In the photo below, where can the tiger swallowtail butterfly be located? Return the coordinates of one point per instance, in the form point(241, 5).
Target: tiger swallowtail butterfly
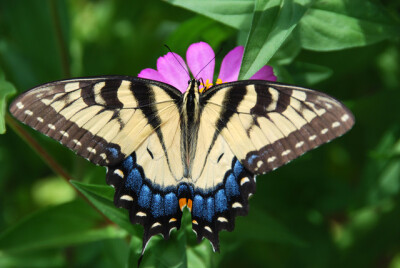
point(165, 150)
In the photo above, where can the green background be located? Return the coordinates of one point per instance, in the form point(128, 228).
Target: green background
point(338, 205)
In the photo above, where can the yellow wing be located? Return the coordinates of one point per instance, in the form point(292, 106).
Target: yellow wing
point(103, 119)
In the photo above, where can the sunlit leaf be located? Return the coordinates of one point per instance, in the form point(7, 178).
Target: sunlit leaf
point(273, 21)
point(236, 14)
point(339, 24)
point(289, 50)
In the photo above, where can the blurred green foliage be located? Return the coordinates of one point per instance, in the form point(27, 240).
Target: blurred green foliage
point(338, 205)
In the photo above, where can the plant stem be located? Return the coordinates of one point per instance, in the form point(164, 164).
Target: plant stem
point(64, 55)
point(37, 148)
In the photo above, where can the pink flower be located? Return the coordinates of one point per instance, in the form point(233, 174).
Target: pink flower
point(198, 56)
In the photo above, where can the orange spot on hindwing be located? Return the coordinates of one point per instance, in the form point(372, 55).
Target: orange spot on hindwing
point(185, 202)
point(182, 203)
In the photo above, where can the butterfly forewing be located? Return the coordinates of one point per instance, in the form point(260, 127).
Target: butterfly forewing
point(97, 117)
point(268, 124)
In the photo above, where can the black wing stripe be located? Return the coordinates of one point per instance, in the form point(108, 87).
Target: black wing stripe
point(109, 94)
point(87, 94)
point(232, 100)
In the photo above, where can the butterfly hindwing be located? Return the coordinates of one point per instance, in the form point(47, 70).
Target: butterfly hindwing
point(268, 124)
point(221, 185)
point(147, 181)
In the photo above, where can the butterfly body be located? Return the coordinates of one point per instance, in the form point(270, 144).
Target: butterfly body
point(190, 111)
point(165, 150)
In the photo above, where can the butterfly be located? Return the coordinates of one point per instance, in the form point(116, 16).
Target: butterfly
point(165, 150)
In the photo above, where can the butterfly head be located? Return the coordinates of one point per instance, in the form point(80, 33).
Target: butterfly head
point(195, 81)
point(194, 85)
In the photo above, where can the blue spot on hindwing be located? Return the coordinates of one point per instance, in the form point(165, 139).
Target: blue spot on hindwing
point(114, 152)
point(134, 180)
point(157, 206)
point(237, 169)
point(209, 211)
point(251, 159)
point(221, 203)
point(197, 208)
point(144, 197)
point(231, 186)
point(128, 163)
point(171, 204)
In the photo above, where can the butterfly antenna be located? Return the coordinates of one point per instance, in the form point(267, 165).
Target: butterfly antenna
point(209, 62)
point(173, 54)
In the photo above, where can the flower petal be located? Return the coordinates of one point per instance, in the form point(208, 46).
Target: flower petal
point(230, 65)
point(172, 71)
point(198, 56)
point(265, 73)
point(152, 74)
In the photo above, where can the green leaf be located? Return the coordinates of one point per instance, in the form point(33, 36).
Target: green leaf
point(102, 254)
point(63, 225)
point(37, 258)
point(287, 52)
point(31, 52)
point(236, 14)
point(198, 28)
point(383, 171)
point(307, 74)
point(101, 197)
point(181, 250)
point(273, 21)
point(6, 89)
point(200, 255)
point(135, 251)
point(340, 24)
point(160, 253)
point(259, 226)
